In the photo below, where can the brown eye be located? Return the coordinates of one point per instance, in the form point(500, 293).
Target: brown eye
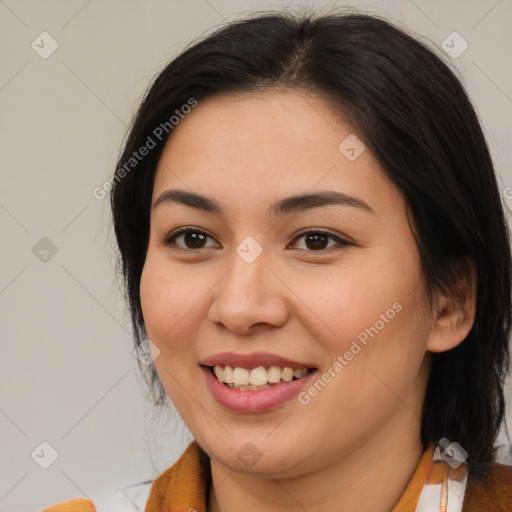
point(316, 240)
point(191, 239)
point(196, 240)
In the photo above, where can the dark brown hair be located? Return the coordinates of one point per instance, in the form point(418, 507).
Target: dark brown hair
point(412, 112)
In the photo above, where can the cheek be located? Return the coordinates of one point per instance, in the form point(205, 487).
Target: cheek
point(368, 287)
point(168, 299)
point(371, 316)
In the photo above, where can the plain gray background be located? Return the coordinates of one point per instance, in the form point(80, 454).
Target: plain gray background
point(68, 374)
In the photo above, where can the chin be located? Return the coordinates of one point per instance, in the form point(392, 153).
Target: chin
point(260, 456)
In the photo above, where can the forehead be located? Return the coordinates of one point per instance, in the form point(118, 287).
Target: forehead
point(269, 144)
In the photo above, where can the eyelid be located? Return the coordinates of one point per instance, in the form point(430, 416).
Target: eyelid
point(341, 242)
point(183, 231)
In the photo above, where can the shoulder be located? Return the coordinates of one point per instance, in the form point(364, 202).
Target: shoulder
point(78, 505)
point(489, 487)
point(129, 499)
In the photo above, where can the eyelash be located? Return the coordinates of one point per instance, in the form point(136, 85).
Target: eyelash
point(168, 241)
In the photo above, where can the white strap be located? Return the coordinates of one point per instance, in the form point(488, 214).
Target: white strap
point(448, 494)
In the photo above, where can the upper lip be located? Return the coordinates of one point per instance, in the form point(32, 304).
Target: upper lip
point(253, 360)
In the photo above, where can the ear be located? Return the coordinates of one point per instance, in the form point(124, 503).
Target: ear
point(455, 315)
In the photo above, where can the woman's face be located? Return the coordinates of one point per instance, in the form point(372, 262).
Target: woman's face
point(249, 288)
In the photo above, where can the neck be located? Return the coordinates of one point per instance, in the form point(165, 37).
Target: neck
point(371, 477)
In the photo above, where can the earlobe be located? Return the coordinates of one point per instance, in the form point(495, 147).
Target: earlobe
point(455, 313)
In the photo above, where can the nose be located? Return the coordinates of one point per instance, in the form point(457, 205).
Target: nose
point(250, 298)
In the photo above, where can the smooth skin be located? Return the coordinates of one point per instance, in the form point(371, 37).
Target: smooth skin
point(355, 445)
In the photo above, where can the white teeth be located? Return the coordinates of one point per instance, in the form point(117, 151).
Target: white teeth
point(274, 374)
point(287, 374)
point(258, 378)
point(298, 373)
point(229, 375)
point(219, 372)
point(240, 377)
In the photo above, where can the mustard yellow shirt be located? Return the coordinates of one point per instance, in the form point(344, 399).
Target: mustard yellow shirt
point(183, 487)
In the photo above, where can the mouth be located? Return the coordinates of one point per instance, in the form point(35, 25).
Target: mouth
point(254, 383)
point(259, 378)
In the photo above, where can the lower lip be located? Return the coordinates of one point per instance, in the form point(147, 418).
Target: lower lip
point(253, 401)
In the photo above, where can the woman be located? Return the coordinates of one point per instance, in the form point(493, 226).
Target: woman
point(312, 238)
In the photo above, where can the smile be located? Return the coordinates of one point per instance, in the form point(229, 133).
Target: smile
point(256, 382)
point(256, 379)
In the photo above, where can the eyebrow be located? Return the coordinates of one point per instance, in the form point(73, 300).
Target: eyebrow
point(281, 207)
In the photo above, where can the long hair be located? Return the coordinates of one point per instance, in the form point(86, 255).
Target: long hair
point(413, 114)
